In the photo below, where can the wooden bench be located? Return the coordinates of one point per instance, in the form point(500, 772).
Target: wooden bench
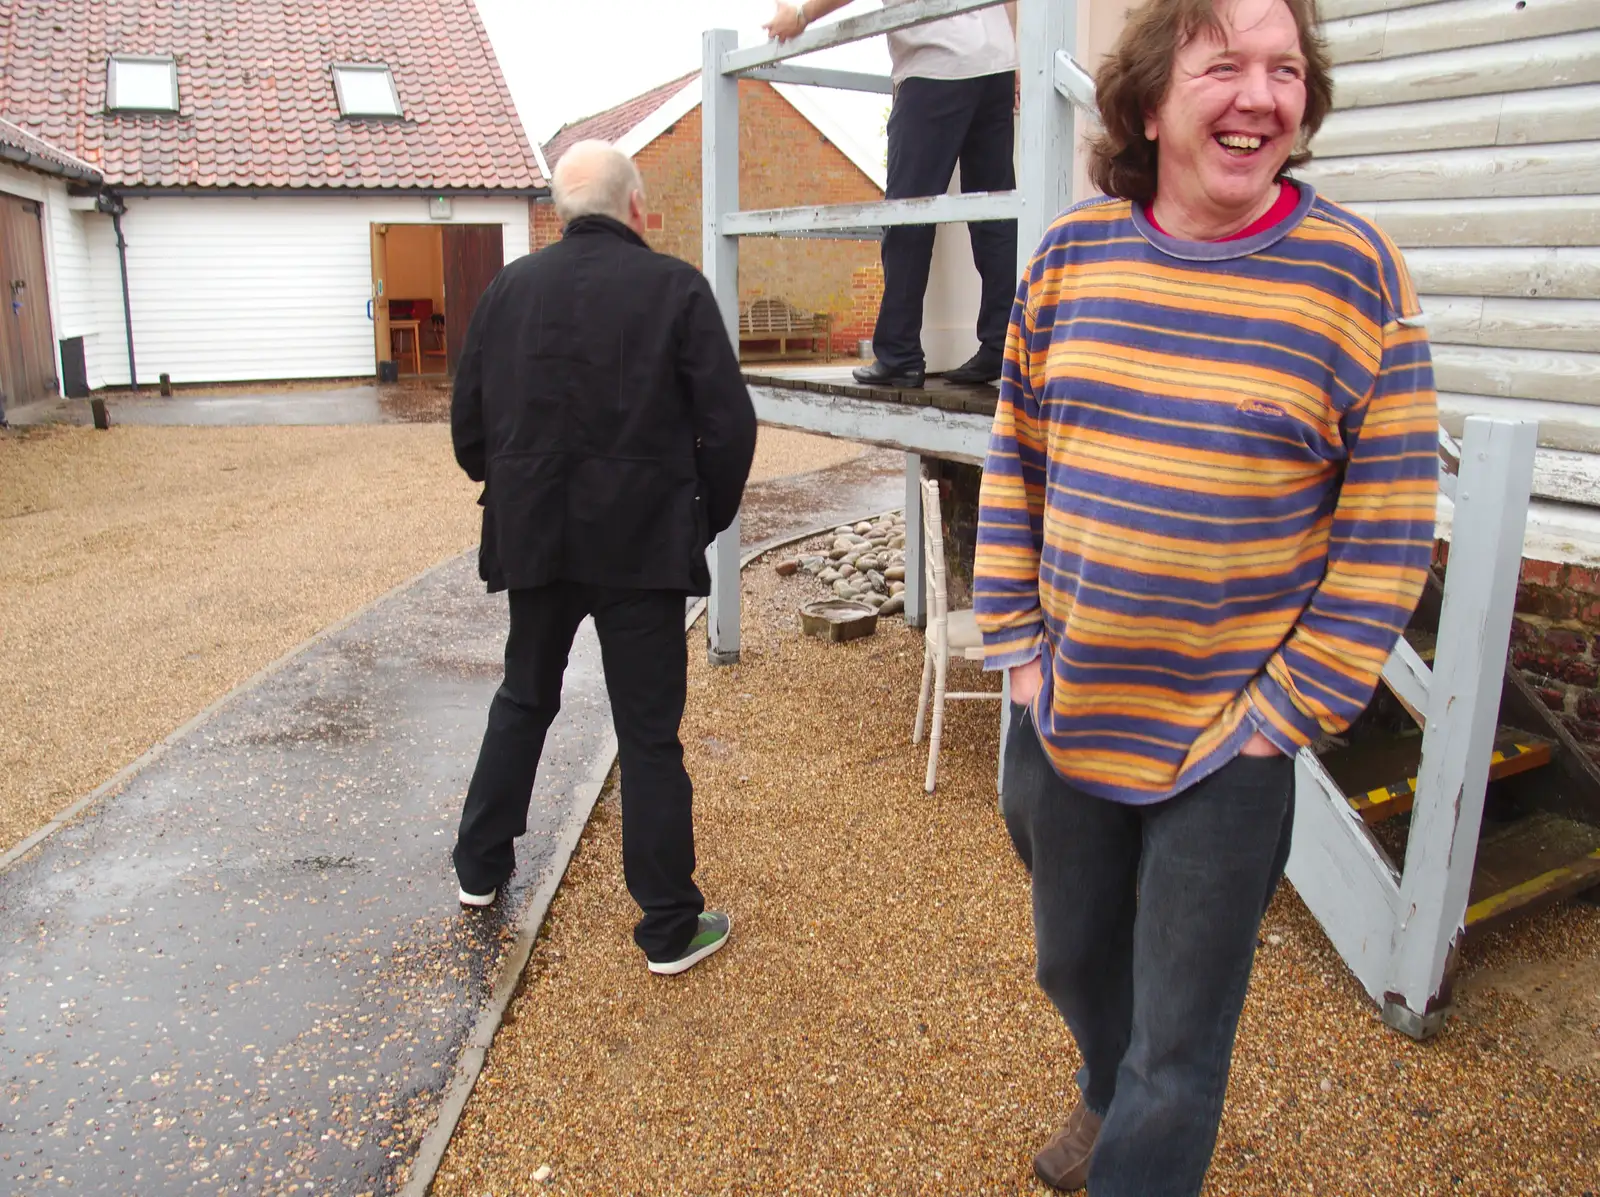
point(780, 321)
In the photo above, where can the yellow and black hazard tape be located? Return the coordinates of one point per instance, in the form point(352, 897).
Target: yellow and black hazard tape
point(1403, 790)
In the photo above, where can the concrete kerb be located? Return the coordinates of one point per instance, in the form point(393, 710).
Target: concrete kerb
point(469, 1065)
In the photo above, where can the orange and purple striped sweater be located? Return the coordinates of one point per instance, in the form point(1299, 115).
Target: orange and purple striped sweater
point(1209, 494)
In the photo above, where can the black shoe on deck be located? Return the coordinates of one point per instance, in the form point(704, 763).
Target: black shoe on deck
point(880, 375)
point(983, 366)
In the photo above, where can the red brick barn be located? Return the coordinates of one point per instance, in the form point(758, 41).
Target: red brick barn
point(788, 155)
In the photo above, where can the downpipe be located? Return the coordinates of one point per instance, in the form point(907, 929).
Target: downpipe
point(111, 204)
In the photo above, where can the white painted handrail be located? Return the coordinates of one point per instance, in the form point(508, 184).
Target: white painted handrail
point(1076, 83)
point(805, 76)
point(1408, 676)
point(851, 29)
point(870, 217)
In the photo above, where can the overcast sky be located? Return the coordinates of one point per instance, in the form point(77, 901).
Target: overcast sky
point(565, 59)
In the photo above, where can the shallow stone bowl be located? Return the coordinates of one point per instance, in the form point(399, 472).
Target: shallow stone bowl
point(838, 620)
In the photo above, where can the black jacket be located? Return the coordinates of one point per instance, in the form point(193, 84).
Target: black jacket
point(599, 400)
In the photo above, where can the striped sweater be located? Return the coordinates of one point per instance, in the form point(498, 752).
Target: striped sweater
point(1209, 494)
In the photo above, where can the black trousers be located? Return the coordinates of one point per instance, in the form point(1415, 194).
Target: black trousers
point(645, 657)
point(934, 124)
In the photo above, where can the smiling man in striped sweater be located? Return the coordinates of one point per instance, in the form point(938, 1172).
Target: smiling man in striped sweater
point(1206, 516)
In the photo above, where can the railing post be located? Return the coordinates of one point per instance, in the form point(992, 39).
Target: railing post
point(1046, 137)
point(719, 257)
point(916, 612)
point(1463, 711)
point(1044, 177)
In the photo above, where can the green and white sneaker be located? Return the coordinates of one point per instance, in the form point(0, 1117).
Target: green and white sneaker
point(713, 932)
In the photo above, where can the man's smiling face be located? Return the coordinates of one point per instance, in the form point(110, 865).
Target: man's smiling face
point(1231, 116)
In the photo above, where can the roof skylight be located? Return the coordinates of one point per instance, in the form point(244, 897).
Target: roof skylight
point(366, 89)
point(142, 83)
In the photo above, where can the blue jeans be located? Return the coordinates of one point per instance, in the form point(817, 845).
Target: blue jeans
point(1146, 920)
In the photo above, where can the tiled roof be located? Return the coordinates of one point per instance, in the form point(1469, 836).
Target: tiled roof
point(613, 123)
point(19, 146)
point(256, 99)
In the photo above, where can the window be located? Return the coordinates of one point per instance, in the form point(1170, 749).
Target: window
point(136, 83)
point(366, 89)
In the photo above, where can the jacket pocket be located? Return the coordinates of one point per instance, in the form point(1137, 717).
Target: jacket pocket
point(634, 518)
point(524, 512)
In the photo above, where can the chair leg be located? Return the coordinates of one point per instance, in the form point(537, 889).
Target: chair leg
point(938, 720)
point(922, 694)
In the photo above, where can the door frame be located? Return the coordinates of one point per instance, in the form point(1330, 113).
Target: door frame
point(378, 300)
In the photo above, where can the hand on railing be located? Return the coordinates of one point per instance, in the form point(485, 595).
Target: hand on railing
point(789, 21)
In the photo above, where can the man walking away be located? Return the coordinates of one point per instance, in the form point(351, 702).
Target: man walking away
point(599, 401)
point(955, 87)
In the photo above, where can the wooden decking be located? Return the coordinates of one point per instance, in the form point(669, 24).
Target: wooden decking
point(938, 420)
point(836, 380)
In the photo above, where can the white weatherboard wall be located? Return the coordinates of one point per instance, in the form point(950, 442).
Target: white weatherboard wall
point(232, 289)
point(1469, 130)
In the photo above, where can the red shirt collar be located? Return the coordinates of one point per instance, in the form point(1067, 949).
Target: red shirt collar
point(1288, 197)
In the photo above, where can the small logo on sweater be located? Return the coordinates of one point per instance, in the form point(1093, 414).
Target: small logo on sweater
point(1261, 408)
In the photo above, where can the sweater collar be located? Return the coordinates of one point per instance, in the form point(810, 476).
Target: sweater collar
point(581, 225)
point(1217, 251)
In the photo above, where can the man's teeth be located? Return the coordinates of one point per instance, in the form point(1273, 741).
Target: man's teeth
point(1239, 141)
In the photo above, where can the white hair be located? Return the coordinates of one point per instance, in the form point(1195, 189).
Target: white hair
point(594, 178)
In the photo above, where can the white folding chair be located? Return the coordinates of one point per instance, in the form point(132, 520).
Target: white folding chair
point(947, 632)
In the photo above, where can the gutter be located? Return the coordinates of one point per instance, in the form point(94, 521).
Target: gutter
point(49, 166)
point(325, 192)
point(111, 203)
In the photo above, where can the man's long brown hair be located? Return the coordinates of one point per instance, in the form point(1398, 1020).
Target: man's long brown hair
point(1133, 80)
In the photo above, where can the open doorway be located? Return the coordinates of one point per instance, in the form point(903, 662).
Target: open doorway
point(426, 279)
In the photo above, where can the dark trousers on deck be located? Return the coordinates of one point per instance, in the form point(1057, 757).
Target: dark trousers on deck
point(933, 125)
point(645, 658)
point(1146, 920)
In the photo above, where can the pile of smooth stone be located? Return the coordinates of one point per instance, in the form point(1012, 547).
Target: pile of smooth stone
point(866, 563)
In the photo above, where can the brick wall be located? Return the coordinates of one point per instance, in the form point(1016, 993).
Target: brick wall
point(543, 227)
point(866, 293)
point(1553, 635)
point(783, 160)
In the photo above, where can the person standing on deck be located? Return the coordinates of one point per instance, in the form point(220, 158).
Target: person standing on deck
point(955, 86)
point(1206, 516)
point(600, 403)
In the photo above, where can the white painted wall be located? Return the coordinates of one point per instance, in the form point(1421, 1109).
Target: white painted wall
point(950, 306)
point(230, 290)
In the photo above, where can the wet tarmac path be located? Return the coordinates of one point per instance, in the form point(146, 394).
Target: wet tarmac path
point(247, 972)
point(244, 971)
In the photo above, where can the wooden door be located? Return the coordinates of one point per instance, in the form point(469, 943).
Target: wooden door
point(379, 309)
point(473, 255)
point(27, 340)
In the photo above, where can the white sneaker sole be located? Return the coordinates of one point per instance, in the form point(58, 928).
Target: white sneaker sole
point(478, 899)
point(672, 968)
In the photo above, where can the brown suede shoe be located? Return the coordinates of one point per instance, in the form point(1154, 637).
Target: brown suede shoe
point(1063, 1163)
